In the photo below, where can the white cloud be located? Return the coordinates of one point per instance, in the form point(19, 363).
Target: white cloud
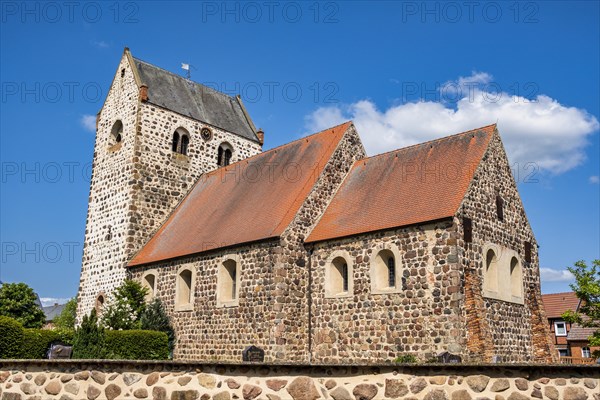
point(542, 130)
point(50, 301)
point(100, 44)
point(555, 275)
point(595, 179)
point(88, 122)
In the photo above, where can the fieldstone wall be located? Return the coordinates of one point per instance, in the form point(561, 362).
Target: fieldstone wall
point(138, 182)
point(515, 332)
point(110, 196)
point(422, 318)
point(74, 380)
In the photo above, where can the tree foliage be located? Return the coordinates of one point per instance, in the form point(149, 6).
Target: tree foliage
point(66, 320)
point(155, 318)
point(18, 301)
point(125, 309)
point(587, 289)
point(88, 341)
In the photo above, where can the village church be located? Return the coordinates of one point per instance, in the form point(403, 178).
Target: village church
point(311, 251)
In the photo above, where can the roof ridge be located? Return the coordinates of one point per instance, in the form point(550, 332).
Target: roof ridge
point(548, 294)
point(427, 142)
point(183, 78)
point(275, 148)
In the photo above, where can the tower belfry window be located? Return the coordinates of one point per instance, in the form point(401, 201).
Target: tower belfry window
point(224, 155)
point(181, 141)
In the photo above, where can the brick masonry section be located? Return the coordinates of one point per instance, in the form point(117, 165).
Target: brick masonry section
point(74, 380)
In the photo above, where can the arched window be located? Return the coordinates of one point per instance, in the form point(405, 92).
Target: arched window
point(181, 141)
point(116, 133)
point(338, 277)
point(184, 290)
point(228, 283)
point(149, 282)
point(516, 278)
point(99, 304)
point(224, 154)
point(384, 271)
point(490, 278)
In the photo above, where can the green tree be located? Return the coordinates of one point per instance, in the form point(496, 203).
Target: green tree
point(65, 321)
point(18, 301)
point(88, 341)
point(127, 306)
point(154, 318)
point(587, 289)
point(134, 294)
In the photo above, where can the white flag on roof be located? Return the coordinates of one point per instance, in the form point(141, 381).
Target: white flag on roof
point(185, 66)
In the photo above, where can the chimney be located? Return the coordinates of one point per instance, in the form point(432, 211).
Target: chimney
point(261, 136)
point(144, 92)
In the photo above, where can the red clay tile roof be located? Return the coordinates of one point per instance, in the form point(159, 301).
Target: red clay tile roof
point(420, 183)
point(579, 333)
point(557, 303)
point(247, 201)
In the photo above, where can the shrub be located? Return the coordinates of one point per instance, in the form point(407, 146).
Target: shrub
point(136, 345)
point(405, 359)
point(36, 342)
point(11, 337)
point(88, 341)
point(19, 301)
point(154, 318)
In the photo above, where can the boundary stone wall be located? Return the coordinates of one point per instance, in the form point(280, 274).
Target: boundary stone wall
point(98, 379)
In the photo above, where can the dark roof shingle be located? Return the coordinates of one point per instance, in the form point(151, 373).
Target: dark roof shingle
point(194, 100)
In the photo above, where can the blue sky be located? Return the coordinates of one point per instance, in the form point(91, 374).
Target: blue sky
point(403, 71)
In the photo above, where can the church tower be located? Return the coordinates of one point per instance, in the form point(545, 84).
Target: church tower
point(156, 134)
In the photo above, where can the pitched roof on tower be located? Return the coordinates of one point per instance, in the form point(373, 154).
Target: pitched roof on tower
point(420, 183)
point(248, 201)
point(194, 100)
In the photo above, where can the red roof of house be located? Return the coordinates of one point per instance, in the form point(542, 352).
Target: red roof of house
point(578, 332)
point(557, 303)
point(247, 201)
point(420, 183)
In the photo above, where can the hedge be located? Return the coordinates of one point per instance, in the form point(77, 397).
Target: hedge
point(11, 338)
point(36, 342)
point(19, 343)
point(136, 345)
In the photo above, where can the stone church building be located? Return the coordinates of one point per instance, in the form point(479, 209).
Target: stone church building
point(311, 251)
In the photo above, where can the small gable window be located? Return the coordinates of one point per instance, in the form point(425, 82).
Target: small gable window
point(468, 229)
point(338, 277)
point(224, 154)
point(528, 252)
point(181, 141)
point(228, 283)
point(116, 133)
point(499, 208)
point(184, 290)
